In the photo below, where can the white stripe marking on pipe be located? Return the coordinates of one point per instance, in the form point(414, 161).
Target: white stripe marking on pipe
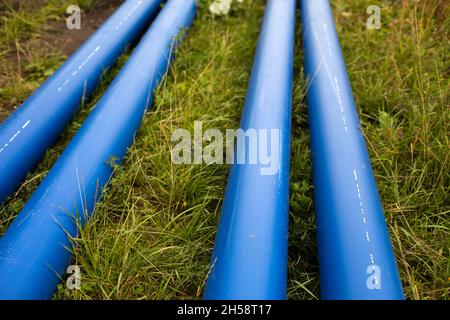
point(26, 124)
point(74, 73)
point(14, 136)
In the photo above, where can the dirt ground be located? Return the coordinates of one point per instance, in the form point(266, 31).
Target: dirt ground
point(69, 40)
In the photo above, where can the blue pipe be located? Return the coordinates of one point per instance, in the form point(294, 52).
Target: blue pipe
point(249, 260)
point(34, 250)
point(37, 124)
point(355, 254)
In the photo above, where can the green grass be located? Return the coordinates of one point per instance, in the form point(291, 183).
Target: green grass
point(152, 235)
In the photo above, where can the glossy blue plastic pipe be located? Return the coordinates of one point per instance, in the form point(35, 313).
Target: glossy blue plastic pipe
point(355, 253)
point(34, 251)
point(36, 125)
point(250, 256)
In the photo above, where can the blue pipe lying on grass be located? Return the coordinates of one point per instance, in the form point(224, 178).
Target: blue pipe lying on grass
point(250, 256)
point(27, 134)
point(355, 253)
point(35, 250)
